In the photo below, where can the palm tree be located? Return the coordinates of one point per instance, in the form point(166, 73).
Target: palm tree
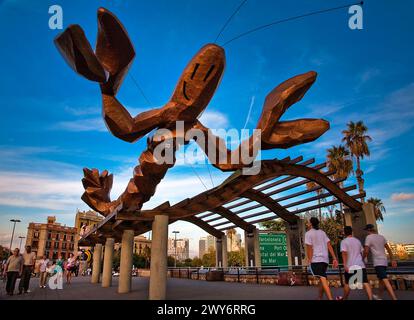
point(379, 208)
point(338, 160)
point(310, 186)
point(356, 139)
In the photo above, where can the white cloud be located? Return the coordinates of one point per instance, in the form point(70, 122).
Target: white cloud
point(402, 196)
point(81, 125)
point(214, 120)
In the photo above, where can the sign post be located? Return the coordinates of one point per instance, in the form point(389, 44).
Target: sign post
point(274, 248)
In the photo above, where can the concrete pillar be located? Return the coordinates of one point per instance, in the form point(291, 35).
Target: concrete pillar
point(221, 252)
point(257, 256)
point(358, 220)
point(107, 263)
point(96, 264)
point(125, 268)
point(296, 242)
point(159, 246)
point(249, 241)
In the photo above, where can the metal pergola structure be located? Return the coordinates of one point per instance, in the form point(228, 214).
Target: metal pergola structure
point(243, 201)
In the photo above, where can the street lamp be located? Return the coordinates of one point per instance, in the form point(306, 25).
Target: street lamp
point(20, 245)
point(175, 246)
point(14, 226)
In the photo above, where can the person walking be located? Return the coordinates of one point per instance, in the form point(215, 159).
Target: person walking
point(318, 247)
point(29, 260)
point(70, 267)
point(352, 250)
point(13, 269)
point(377, 244)
point(43, 264)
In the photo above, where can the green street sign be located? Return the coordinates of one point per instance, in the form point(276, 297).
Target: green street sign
point(273, 249)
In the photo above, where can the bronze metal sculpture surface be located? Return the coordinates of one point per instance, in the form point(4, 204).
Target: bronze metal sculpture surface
point(109, 64)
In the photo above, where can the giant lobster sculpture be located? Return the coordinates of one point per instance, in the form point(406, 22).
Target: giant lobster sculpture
point(108, 65)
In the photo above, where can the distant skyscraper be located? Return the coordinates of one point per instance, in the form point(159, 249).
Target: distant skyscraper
point(211, 243)
point(202, 247)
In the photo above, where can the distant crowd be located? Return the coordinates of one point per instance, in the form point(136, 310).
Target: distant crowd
point(24, 266)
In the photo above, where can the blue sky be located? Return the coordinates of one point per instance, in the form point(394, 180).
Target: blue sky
point(51, 125)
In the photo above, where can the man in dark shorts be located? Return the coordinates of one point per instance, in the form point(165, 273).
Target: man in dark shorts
point(377, 244)
point(317, 246)
point(351, 249)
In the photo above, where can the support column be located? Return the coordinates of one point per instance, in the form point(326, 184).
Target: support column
point(295, 242)
point(225, 263)
point(107, 263)
point(125, 268)
point(251, 241)
point(159, 245)
point(96, 264)
point(358, 220)
point(221, 252)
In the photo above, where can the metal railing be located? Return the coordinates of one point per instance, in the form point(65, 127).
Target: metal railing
point(405, 272)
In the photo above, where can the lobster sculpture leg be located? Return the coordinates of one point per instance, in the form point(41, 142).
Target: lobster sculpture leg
point(109, 64)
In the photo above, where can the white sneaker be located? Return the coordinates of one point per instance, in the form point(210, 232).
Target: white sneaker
point(376, 297)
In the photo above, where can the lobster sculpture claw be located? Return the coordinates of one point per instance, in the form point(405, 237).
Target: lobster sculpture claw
point(108, 65)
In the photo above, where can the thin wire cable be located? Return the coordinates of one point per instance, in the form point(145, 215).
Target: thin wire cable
point(250, 111)
point(140, 89)
point(199, 178)
point(290, 19)
point(209, 172)
point(229, 19)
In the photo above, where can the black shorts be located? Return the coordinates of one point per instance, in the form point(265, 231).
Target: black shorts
point(381, 272)
point(318, 269)
point(348, 275)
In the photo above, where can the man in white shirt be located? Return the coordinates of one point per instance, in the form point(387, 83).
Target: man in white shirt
point(351, 249)
point(29, 260)
point(317, 247)
point(377, 244)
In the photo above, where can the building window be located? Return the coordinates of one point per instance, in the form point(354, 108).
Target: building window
point(49, 235)
point(48, 244)
point(63, 245)
point(72, 246)
point(64, 237)
point(36, 234)
point(57, 236)
point(71, 238)
point(56, 245)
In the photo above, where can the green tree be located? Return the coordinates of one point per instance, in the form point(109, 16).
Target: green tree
point(188, 262)
point(379, 208)
point(209, 258)
point(236, 258)
point(196, 262)
point(356, 139)
point(138, 261)
point(273, 225)
point(171, 261)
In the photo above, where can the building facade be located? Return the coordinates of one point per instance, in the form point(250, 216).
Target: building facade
point(52, 239)
point(142, 246)
point(233, 240)
point(211, 243)
point(179, 249)
point(86, 220)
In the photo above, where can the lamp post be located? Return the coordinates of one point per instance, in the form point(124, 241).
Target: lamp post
point(20, 245)
point(14, 226)
point(175, 246)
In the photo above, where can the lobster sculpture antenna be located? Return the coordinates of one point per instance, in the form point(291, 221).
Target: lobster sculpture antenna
point(109, 64)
